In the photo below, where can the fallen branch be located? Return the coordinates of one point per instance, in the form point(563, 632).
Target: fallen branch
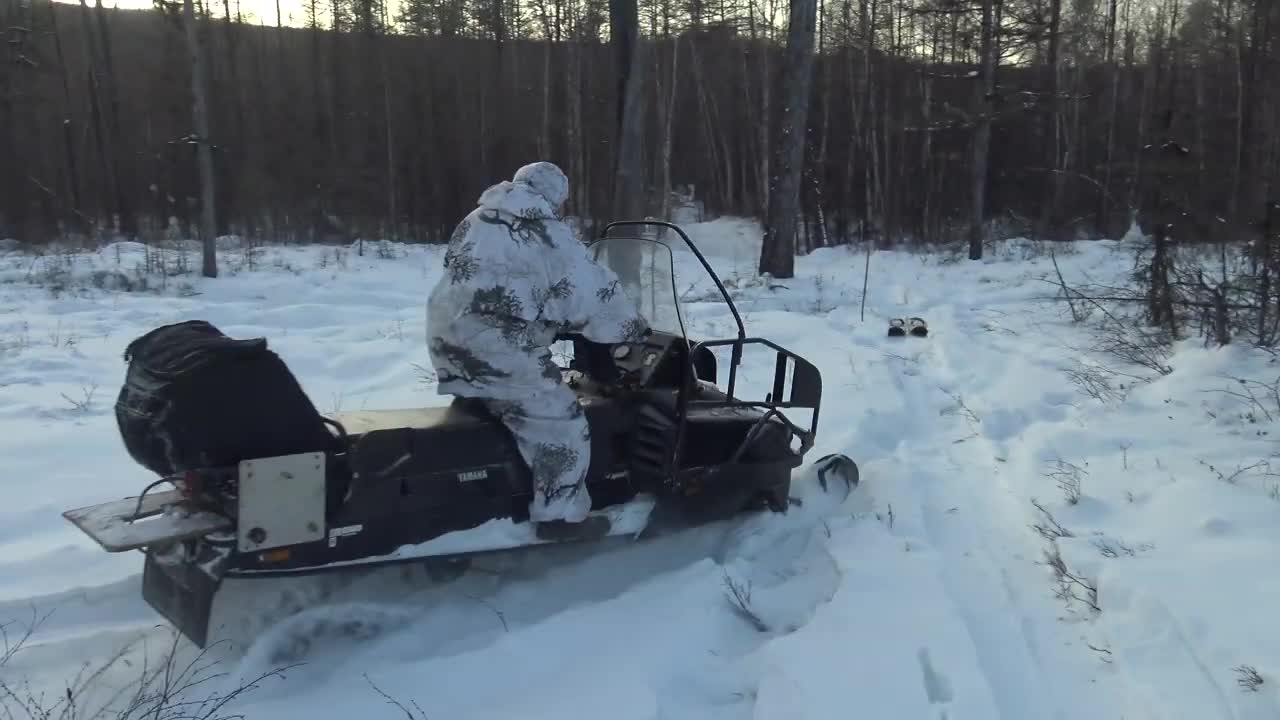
point(1070, 584)
point(1050, 529)
point(739, 596)
point(396, 703)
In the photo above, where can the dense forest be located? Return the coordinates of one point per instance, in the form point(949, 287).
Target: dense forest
point(917, 120)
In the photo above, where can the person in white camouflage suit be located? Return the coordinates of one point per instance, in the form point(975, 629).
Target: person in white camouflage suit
point(515, 277)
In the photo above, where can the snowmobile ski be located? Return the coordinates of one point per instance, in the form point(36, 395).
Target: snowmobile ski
point(837, 467)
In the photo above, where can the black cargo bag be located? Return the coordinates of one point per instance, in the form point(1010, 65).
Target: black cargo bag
point(195, 398)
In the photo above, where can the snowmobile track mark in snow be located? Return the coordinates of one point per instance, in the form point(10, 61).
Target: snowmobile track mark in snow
point(936, 686)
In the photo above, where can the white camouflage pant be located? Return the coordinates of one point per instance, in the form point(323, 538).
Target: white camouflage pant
point(550, 429)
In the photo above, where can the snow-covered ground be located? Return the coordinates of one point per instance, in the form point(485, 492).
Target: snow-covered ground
point(928, 594)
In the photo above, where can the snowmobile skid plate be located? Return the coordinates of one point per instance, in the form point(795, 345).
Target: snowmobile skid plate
point(160, 518)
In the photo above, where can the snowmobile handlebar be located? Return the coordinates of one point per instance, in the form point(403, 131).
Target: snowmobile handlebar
point(592, 358)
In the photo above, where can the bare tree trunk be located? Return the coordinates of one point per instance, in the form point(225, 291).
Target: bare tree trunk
point(1053, 127)
point(872, 154)
point(765, 112)
point(577, 147)
point(393, 215)
point(1253, 160)
point(1238, 159)
point(12, 199)
point(667, 122)
point(1104, 203)
point(68, 127)
point(118, 152)
point(544, 137)
point(108, 195)
point(628, 202)
point(628, 184)
point(826, 84)
point(200, 115)
point(926, 155)
point(234, 158)
point(337, 127)
point(982, 134)
point(706, 116)
point(778, 252)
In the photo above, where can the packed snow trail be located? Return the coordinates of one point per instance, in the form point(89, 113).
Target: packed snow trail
point(924, 595)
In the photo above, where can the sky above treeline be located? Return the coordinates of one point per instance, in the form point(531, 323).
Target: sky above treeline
point(253, 11)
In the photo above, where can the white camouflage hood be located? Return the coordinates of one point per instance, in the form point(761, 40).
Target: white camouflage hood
point(536, 191)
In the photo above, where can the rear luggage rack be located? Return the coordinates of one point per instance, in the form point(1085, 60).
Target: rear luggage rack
point(137, 522)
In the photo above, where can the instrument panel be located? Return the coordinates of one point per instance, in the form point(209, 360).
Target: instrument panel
point(638, 361)
point(646, 363)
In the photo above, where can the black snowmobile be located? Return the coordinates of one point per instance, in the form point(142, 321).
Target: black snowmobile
point(263, 485)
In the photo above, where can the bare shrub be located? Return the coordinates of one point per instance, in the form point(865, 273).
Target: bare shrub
point(961, 408)
point(1262, 399)
point(385, 250)
point(415, 714)
point(1069, 478)
point(1249, 679)
point(1097, 381)
point(82, 403)
point(1262, 467)
point(170, 690)
point(1143, 347)
point(426, 375)
point(1048, 527)
point(1071, 587)
point(1115, 548)
point(739, 596)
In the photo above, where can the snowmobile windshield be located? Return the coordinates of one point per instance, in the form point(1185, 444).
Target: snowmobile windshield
point(647, 272)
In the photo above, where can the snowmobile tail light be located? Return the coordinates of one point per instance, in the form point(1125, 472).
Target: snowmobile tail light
point(190, 485)
point(274, 556)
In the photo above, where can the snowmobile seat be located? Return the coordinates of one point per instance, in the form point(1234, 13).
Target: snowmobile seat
point(449, 464)
point(457, 460)
point(462, 412)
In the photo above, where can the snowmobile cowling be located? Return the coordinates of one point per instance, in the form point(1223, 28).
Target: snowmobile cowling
point(262, 485)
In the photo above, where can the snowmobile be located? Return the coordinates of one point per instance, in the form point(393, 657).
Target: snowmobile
point(262, 485)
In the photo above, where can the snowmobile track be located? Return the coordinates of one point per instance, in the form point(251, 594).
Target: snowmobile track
point(973, 556)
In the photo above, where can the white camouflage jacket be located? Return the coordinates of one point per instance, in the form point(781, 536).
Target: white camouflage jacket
point(515, 276)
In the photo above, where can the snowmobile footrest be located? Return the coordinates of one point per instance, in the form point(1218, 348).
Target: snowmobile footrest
point(593, 528)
